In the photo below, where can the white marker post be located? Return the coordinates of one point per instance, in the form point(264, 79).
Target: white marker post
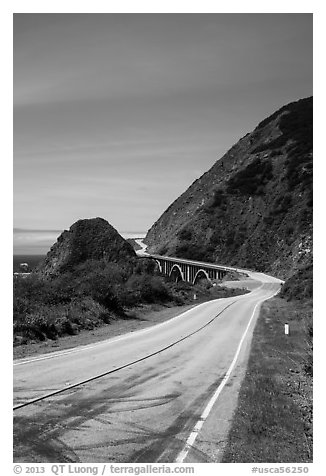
point(286, 329)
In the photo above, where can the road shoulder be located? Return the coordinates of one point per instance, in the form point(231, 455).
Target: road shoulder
point(273, 419)
point(140, 318)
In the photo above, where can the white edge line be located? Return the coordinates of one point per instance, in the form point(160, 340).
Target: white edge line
point(81, 348)
point(53, 355)
point(119, 368)
point(193, 435)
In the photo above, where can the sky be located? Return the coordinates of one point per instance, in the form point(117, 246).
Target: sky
point(115, 115)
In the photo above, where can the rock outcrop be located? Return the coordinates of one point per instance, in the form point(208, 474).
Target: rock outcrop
point(93, 239)
point(253, 208)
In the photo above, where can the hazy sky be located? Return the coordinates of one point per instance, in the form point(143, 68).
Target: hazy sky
point(115, 115)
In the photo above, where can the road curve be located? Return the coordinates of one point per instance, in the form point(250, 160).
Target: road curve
point(136, 397)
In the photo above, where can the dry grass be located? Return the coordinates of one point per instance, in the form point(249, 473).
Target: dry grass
point(273, 421)
point(140, 317)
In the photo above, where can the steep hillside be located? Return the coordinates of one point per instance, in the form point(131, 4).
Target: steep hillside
point(93, 239)
point(253, 208)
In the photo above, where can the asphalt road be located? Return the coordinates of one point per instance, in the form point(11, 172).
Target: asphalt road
point(144, 393)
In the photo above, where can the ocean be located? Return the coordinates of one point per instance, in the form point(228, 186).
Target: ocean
point(33, 260)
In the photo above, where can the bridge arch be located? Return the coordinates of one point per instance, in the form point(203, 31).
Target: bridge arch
point(201, 274)
point(176, 273)
point(159, 265)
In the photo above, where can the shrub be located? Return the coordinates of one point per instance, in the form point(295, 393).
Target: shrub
point(274, 144)
point(250, 181)
point(185, 234)
point(217, 201)
point(193, 251)
point(289, 230)
point(308, 325)
point(268, 220)
point(100, 288)
point(145, 266)
point(87, 313)
point(219, 198)
point(275, 152)
point(230, 238)
point(282, 204)
point(300, 285)
point(310, 198)
point(145, 288)
point(112, 272)
point(163, 250)
point(296, 125)
point(50, 322)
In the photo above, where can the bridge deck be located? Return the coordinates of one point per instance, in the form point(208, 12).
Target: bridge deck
point(190, 262)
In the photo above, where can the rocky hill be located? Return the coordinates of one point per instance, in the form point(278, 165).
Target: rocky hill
point(86, 239)
point(253, 208)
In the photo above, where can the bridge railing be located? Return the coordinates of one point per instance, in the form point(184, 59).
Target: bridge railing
point(191, 262)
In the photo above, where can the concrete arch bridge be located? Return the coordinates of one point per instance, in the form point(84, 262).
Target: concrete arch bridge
point(187, 270)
